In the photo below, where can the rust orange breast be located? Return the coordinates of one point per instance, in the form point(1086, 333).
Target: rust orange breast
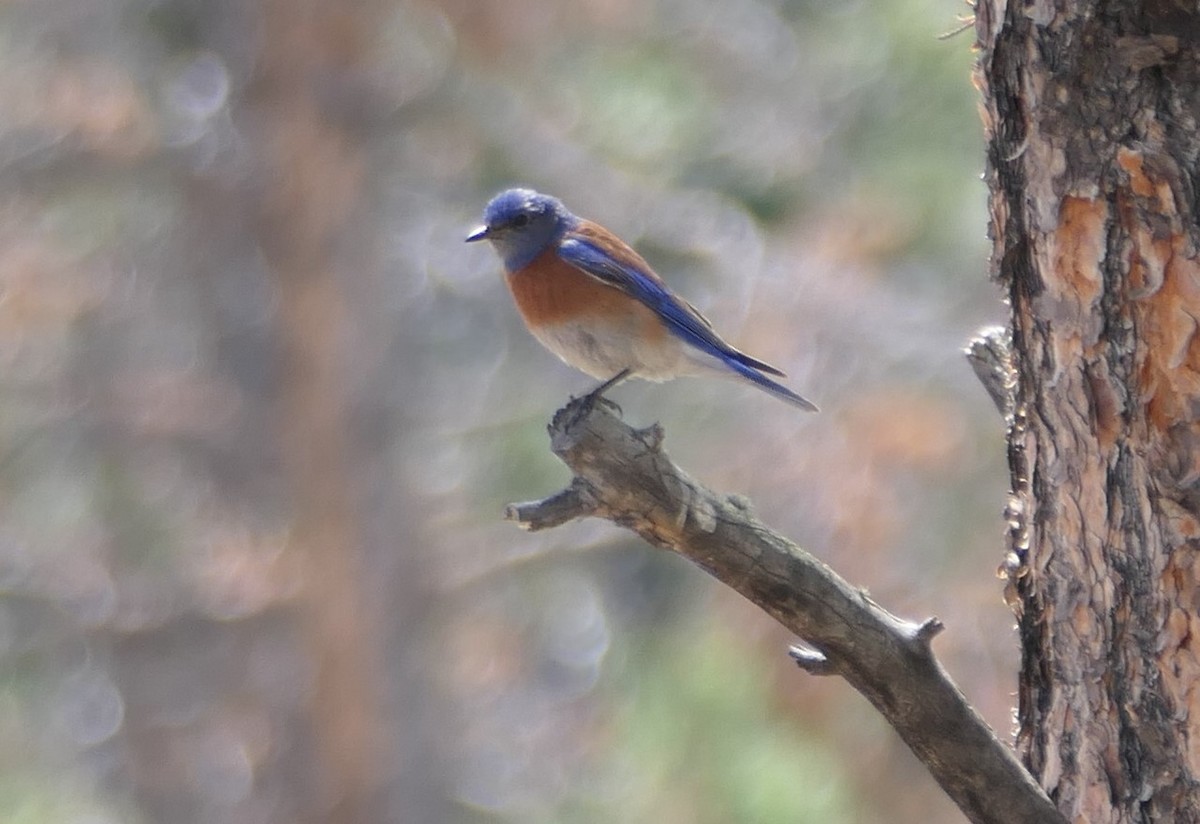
point(549, 292)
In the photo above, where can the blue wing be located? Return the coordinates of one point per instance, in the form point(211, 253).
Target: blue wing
point(622, 268)
point(597, 252)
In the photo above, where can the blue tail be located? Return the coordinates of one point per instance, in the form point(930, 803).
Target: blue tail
point(766, 384)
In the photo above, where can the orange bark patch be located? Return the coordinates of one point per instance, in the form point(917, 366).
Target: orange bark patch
point(1131, 162)
point(1074, 252)
point(1146, 185)
point(1078, 246)
point(1147, 203)
point(1169, 325)
point(1164, 287)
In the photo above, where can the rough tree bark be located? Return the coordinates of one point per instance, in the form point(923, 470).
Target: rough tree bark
point(1091, 115)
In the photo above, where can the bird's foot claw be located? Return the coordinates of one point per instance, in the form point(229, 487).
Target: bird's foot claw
point(611, 405)
point(584, 405)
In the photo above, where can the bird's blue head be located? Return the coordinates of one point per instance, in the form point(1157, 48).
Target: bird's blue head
point(521, 223)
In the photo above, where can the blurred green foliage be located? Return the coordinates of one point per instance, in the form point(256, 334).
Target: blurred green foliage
point(703, 737)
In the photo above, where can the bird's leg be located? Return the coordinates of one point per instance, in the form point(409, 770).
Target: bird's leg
point(589, 401)
point(597, 393)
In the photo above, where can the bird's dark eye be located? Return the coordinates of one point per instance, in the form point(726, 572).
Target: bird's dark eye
point(521, 221)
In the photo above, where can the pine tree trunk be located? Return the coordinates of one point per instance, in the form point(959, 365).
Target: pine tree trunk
point(1092, 117)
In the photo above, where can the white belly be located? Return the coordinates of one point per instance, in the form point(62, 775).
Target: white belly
point(604, 350)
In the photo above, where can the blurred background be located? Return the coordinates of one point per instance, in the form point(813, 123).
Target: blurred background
point(261, 408)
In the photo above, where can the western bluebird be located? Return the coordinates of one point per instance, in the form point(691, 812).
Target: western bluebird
point(596, 303)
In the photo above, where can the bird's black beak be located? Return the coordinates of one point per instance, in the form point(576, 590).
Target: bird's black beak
point(479, 233)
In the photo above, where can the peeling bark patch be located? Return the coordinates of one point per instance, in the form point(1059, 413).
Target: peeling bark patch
point(1077, 250)
point(1168, 322)
point(1152, 187)
point(1131, 162)
point(1165, 286)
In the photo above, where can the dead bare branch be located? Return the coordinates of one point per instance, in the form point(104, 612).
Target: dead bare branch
point(623, 474)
